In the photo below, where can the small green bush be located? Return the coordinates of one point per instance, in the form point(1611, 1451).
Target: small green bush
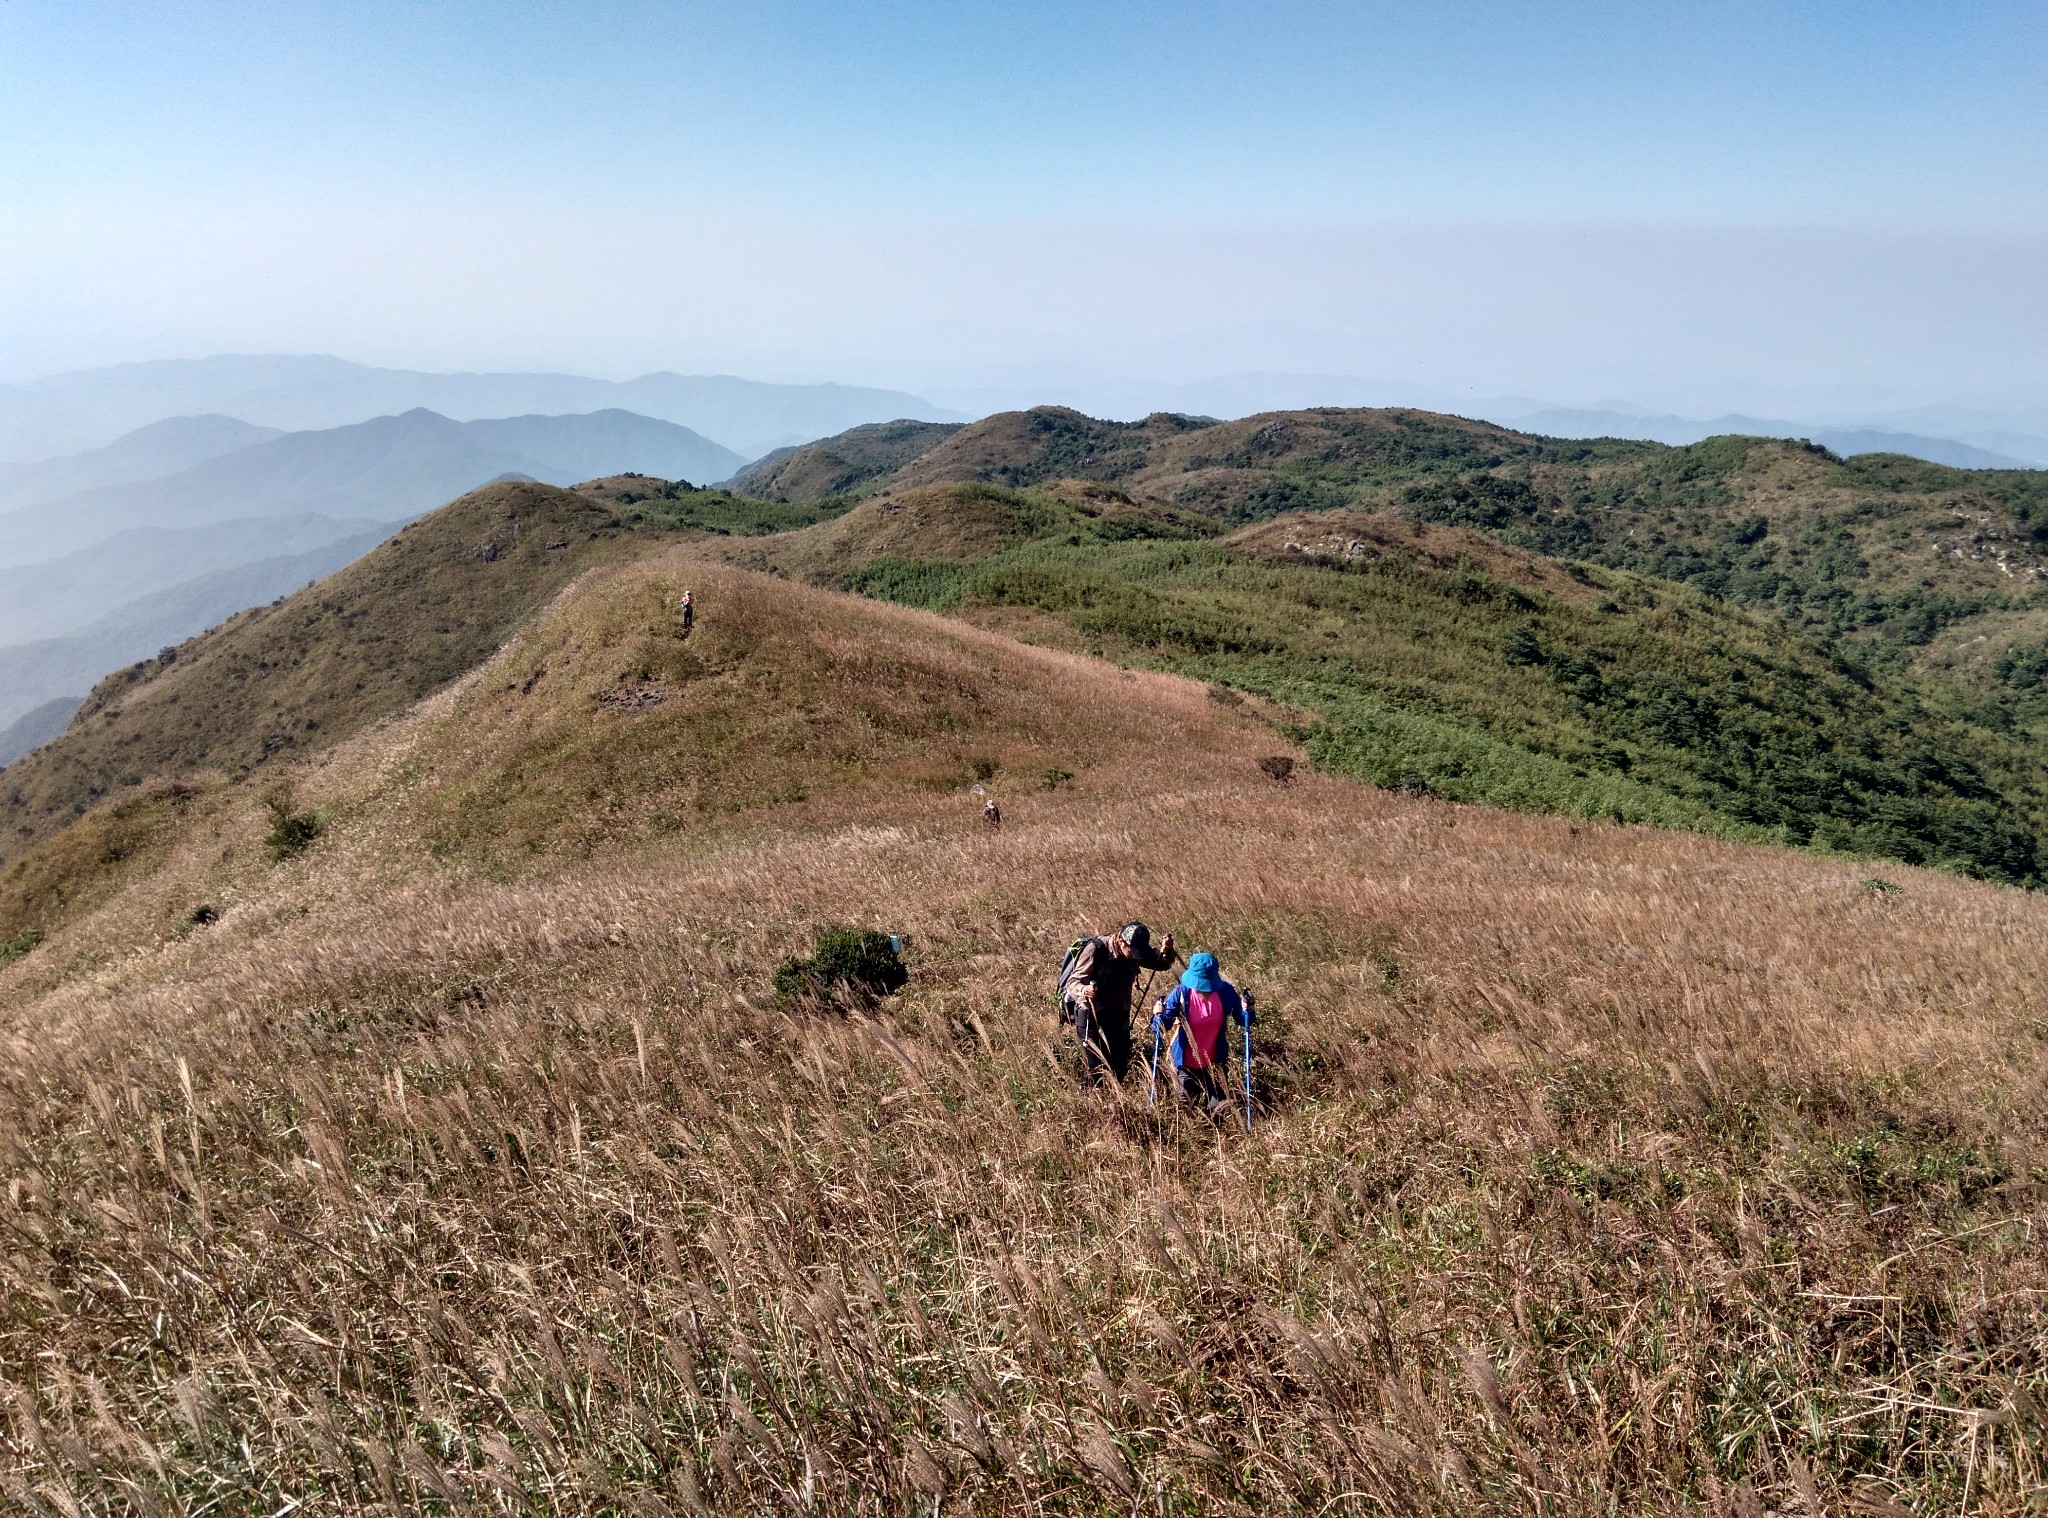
point(13, 948)
point(291, 832)
point(855, 962)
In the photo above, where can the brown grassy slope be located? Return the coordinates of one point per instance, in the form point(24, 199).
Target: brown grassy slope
point(843, 464)
point(1597, 1170)
point(599, 727)
point(370, 640)
point(940, 522)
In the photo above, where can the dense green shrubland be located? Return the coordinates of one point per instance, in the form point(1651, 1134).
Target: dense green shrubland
point(1655, 703)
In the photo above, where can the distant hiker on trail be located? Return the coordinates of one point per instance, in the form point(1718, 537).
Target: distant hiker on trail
point(688, 607)
point(1198, 1013)
point(1095, 994)
point(992, 814)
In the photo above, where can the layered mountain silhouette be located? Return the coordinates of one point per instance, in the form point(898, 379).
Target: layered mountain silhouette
point(50, 669)
point(147, 453)
point(1847, 441)
point(33, 728)
point(105, 575)
point(69, 412)
point(386, 470)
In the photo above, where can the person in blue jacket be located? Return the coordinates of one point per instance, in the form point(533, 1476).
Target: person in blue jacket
point(1199, 1013)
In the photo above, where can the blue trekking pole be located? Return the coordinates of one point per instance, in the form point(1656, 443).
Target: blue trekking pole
point(1143, 997)
point(1247, 1062)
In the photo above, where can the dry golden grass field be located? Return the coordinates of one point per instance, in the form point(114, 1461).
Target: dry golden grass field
point(464, 1162)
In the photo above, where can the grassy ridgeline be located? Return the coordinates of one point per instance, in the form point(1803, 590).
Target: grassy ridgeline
point(1434, 660)
point(419, 610)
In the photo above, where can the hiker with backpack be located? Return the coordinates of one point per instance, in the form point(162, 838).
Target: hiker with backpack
point(688, 607)
point(1096, 982)
point(1198, 1013)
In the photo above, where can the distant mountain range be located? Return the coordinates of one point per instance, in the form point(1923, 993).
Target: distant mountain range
point(51, 670)
point(68, 413)
point(1963, 437)
point(1847, 441)
point(385, 470)
point(127, 562)
point(59, 596)
point(33, 729)
point(148, 453)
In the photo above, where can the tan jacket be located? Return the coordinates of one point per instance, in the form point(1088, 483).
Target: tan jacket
point(1112, 977)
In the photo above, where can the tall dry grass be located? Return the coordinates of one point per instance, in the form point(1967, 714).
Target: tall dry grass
point(1597, 1170)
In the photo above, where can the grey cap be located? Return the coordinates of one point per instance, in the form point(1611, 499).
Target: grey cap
point(1136, 936)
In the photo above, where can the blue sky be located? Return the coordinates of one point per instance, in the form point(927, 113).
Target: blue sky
point(960, 195)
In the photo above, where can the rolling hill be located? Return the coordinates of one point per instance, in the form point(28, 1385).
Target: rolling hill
point(1424, 640)
point(407, 617)
point(840, 465)
point(1440, 659)
point(1881, 553)
point(448, 1147)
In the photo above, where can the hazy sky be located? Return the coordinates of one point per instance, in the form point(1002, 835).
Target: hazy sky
point(1692, 205)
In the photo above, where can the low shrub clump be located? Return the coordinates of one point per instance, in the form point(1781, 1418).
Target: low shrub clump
point(13, 948)
point(291, 832)
point(850, 963)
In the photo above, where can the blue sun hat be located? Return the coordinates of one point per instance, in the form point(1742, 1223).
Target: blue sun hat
point(1202, 974)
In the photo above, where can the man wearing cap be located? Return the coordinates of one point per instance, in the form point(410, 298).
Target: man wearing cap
point(1098, 995)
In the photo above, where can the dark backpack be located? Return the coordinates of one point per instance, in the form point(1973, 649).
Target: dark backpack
point(1067, 968)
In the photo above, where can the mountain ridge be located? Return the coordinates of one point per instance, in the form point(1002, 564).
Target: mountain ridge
point(1885, 552)
point(1521, 678)
point(386, 469)
point(86, 408)
point(147, 453)
point(419, 609)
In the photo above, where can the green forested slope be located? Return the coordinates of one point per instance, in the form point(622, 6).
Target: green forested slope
point(1883, 551)
point(1436, 659)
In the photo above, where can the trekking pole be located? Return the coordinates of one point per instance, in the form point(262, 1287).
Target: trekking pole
point(1153, 1099)
point(1247, 1063)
